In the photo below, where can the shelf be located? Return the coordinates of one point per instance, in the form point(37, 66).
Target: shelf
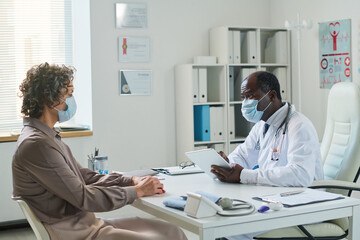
point(210, 103)
point(235, 102)
point(208, 142)
point(243, 65)
point(273, 65)
point(238, 139)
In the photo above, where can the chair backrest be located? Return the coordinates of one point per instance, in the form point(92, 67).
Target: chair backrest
point(35, 223)
point(340, 144)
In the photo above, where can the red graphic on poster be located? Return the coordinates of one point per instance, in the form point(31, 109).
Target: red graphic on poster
point(334, 29)
point(124, 46)
point(347, 61)
point(347, 72)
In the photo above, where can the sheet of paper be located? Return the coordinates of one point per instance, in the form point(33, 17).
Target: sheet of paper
point(306, 197)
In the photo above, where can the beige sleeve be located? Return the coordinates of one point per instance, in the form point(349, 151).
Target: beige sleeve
point(48, 166)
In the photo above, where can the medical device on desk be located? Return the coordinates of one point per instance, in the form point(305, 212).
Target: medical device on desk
point(199, 206)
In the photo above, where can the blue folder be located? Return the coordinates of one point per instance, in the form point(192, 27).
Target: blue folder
point(202, 123)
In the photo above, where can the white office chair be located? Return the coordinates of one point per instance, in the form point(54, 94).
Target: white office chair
point(341, 160)
point(35, 223)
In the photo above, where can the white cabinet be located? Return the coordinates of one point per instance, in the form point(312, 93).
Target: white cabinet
point(208, 97)
point(266, 49)
point(201, 101)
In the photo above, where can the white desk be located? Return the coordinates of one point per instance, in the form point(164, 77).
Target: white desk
point(217, 226)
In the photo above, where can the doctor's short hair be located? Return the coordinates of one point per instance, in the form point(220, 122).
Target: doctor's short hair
point(43, 85)
point(267, 81)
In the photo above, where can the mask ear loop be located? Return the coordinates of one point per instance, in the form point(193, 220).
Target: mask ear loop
point(62, 101)
point(262, 99)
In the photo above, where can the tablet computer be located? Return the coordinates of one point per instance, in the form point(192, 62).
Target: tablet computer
point(205, 158)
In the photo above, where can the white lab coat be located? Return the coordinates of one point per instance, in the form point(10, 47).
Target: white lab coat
point(299, 161)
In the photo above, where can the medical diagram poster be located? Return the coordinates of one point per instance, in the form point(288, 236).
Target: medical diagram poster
point(335, 52)
point(135, 82)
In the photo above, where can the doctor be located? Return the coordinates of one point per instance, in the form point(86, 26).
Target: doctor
point(282, 149)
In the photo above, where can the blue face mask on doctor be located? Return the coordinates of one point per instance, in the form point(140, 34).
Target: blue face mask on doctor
point(66, 115)
point(249, 109)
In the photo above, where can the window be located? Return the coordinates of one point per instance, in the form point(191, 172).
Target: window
point(31, 32)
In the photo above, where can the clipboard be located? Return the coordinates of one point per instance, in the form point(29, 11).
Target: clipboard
point(178, 170)
point(308, 196)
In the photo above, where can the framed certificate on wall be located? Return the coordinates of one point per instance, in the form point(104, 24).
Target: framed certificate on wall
point(135, 82)
point(131, 15)
point(134, 49)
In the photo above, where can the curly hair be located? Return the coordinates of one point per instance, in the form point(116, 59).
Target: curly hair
point(42, 86)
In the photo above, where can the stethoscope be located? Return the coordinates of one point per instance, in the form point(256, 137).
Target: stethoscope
point(276, 151)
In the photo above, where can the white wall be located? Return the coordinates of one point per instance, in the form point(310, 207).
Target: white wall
point(139, 131)
point(314, 99)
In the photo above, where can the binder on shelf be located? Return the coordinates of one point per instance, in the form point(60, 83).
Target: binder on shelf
point(280, 73)
point(249, 52)
point(281, 47)
point(202, 85)
point(251, 70)
point(195, 85)
point(232, 122)
point(216, 123)
point(220, 123)
point(236, 47)
point(243, 73)
point(230, 47)
point(200, 147)
point(218, 147)
point(213, 123)
point(202, 123)
point(231, 83)
point(276, 48)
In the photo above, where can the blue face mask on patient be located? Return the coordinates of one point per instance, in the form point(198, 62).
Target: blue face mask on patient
point(249, 109)
point(66, 115)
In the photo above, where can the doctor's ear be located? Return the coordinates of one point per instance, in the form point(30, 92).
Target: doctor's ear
point(272, 95)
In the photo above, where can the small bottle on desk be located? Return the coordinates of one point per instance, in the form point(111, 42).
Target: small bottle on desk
point(101, 164)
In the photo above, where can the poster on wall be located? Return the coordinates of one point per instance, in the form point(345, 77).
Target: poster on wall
point(131, 15)
point(334, 52)
point(134, 49)
point(134, 82)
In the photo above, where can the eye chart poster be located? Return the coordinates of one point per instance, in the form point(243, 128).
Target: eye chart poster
point(334, 52)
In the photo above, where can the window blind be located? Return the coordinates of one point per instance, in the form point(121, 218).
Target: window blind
point(31, 32)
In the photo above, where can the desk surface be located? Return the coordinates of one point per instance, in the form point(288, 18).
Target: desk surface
point(218, 226)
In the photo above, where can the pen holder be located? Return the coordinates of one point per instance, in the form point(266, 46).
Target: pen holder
point(91, 164)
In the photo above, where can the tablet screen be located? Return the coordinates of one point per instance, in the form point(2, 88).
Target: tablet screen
point(205, 158)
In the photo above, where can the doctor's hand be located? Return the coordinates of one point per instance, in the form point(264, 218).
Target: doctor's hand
point(223, 155)
point(227, 175)
point(147, 186)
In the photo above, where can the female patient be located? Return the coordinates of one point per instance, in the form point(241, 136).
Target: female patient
point(62, 194)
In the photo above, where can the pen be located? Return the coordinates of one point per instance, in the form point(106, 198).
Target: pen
point(286, 194)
